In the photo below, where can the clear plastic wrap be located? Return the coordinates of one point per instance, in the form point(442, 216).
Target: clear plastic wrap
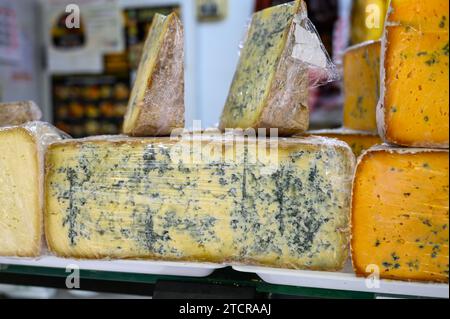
point(281, 59)
point(359, 141)
point(156, 105)
point(21, 186)
point(413, 110)
point(222, 199)
point(400, 214)
point(17, 113)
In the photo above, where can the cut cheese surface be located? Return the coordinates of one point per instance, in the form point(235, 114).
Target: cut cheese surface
point(17, 113)
point(415, 104)
point(156, 105)
point(400, 214)
point(359, 141)
point(362, 86)
point(21, 178)
point(368, 20)
point(155, 199)
point(270, 87)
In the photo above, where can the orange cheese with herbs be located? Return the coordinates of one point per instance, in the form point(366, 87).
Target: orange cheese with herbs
point(400, 214)
point(362, 86)
point(414, 108)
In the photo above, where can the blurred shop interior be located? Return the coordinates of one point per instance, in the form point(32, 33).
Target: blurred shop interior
point(81, 77)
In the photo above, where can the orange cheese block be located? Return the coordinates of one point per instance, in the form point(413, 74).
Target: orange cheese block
point(359, 141)
point(367, 20)
point(400, 214)
point(362, 86)
point(414, 106)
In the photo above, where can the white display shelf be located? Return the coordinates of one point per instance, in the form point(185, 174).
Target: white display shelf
point(123, 266)
point(346, 281)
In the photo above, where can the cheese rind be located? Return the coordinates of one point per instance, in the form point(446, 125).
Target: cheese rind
point(270, 86)
point(21, 186)
point(156, 105)
point(400, 214)
point(359, 141)
point(149, 199)
point(362, 86)
point(414, 106)
point(17, 113)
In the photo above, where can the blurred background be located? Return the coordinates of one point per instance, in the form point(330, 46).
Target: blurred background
point(82, 77)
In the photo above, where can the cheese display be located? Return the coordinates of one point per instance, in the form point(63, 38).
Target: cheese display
point(362, 86)
point(280, 58)
point(17, 113)
point(21, 183)
point(217, 199)
point(359, 141)
point(414, 108)
point(156, 105)
point(368, 17)
point(400, 214)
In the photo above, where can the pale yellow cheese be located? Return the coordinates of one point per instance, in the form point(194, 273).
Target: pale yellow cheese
point(241, 201)
point(21, 179)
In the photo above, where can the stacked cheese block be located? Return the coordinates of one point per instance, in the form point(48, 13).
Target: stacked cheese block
point(401, 193)
point(362, 91)
point(22, 146)
point(219, 198)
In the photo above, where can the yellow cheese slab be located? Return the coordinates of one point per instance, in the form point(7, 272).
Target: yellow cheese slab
point(400, 214)
point(21, 186)
point(156, 105)
point(160, 199)
point(368, 17)
point(414, 108)
point(362, 86)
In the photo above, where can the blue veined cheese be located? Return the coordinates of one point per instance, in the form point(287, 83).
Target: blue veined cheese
point(156, 105)
point(270, 86)
point(21, 187)
point(17, 113)
point(237, 201)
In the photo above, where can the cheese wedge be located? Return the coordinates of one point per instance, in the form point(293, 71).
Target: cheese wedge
point(368, 17)
point(414, 108)
point(156, 105)
point(362, 86)
point(214, 199)
point(359, 141)
point(17, 113)
point(270, 86)
point(400, 214)
point(21, 187)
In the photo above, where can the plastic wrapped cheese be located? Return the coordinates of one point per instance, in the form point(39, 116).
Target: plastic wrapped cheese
point(414, 104)
point(21, 187)
point(17, 113)
point(400, 214)
point(223, 199)
point(282, 57)
point(359, 141)
point(156, 105)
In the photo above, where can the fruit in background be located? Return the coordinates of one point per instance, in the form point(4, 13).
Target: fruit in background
point(107, 109)
point(105, 92)
point(76, 110)
point(62, 111)
point(92, 127)
point(92, 93)
point(120, 110)
point(121, 91)
point(92, 111)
